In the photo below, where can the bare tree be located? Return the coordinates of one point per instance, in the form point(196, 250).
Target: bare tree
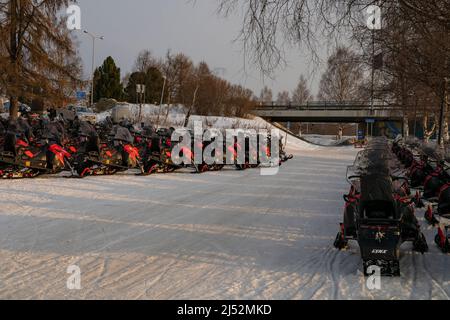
point(283, 98)
point(301, 94)
point(145, 60)
point(266, 95)
point(415, 35)
point(343, 77)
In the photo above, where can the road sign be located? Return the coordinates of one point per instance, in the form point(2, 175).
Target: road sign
point(140, 88)
point(81, 95)
point(370, 120)
point(361, 135)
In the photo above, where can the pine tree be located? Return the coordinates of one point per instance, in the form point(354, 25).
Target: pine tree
point(153, 81)
point(107, 82)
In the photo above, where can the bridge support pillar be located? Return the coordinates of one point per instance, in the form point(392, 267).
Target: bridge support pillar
point(362, 126)
point(405, 126)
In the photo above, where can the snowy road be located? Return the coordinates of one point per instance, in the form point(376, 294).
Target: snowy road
point(227, 235)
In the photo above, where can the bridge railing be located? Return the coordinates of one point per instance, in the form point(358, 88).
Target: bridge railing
point(330, 105)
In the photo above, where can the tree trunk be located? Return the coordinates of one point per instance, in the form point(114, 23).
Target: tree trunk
point(445, 133)
point(428, 133)
point(13, 105)
point(13, 108)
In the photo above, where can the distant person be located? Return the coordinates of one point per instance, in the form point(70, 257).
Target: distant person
point(340, 134)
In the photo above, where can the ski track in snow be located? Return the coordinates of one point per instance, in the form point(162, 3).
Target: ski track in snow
point(225, 235)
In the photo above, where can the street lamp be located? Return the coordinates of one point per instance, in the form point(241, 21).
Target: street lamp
point(94, 37)
point(162, 100)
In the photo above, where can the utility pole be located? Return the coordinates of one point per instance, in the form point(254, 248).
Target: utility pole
point(140, 92)
point(161, 103)
point(188, 115)
point(372, 104)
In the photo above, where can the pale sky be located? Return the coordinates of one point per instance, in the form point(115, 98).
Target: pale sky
point(191, 27)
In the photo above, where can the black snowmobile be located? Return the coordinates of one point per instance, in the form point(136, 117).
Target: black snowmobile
point(25, 156)
point(379, 215)
point(435, 181)
point(440, 217)
point(241, 154)
point(158, 156)
point(116, 154)
point(217, 156)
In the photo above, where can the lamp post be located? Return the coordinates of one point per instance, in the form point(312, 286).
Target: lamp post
point(162, 100)
point(94, 37)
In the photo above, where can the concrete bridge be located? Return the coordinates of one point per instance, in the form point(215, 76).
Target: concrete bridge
point(330, 112)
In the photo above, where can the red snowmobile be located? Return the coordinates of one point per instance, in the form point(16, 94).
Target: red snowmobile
point(21, 158)
point(117, 154)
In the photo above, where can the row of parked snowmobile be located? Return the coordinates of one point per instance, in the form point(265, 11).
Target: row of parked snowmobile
point(33, 146)
point(379, 210)
point(429, 173)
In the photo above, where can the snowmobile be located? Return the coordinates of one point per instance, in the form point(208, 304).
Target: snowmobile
point(379, 215)
point(440, 217)
point(418, 171)
point(117, 154)
point(158, 158)
point(235, 150)
point(284, 157)
point(24, 157)
point(217, 155)
point(435, 181)
point(427, 162)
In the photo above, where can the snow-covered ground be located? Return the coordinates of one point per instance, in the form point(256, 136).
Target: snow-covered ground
point(225, 235)
point(326, 140)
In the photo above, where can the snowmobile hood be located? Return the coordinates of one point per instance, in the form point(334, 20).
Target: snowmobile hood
point(53, 131)
point(86, 129)
point(377, 187)
point(123, 134)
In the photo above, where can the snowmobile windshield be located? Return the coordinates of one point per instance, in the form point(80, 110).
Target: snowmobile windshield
point(123, 134)
point(431, 150)
point(86, 129)
point(373, 161)
point(15, 128)
point(148, 131)
point(53, 131)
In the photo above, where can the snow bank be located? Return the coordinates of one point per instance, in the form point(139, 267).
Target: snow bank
point(326, 140)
